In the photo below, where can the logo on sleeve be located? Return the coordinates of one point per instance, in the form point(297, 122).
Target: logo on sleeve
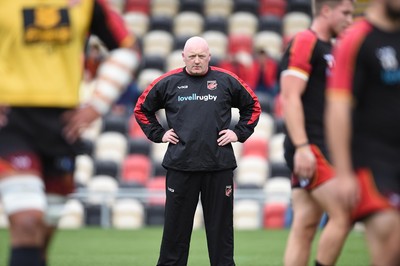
point(212, 85)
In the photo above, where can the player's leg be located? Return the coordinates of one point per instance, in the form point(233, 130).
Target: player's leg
point(383, 238)
point(339, 224)
point(22, 193)
point(59, 182)
point(379, 209)
point(306, 217)
point(23, 198)
point(217, 202)
point(182, 190)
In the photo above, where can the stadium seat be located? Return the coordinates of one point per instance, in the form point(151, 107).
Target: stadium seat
point(84, 169)
point(278, 107)
point(220, 8)
point(157, 42)
point(93, 131)
point(237, 148)
point(167, 8)
point(72, 216)
point(156, 185)
point(270, 23)
point(214, 23)
point(240, 42)
point(137, 23)
point(102, 189)
point(274, 215)
point(156, 205)
point(266, 103)
point(179, 42)
point(303, 6)
point(139, 146)
point(153, 61)
point(246, 215)
point(163, 23)
point(270, 42)
point(278, 190)
point(128, 214)
point(158, 152)
point(235, 117)
point(279, 168)
point(174, 60)
point(93, 213)
point(280, 126)
point(111, 146)
point(117, 5)
point(218, 43)
point(255, 146)
point(188, 23)
point(136, 168)
point(155, 215)
point(191, 6)
point(251, 6)
point(294, 22)
point(115, 123)
point(276, 150)
point(273, 7)
point(106, 167)
point(134, 129)
point(142, 6)
point(243, 23)
point(265, 127)
point(251, 171)
point(147, 76)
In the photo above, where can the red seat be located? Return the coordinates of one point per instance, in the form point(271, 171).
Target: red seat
point(142, 6)
point(255, 146)
point(272, 7)
point(274, 215)
point(156, 184)
point(134, 129)
point(240, 42)
point(136, 168)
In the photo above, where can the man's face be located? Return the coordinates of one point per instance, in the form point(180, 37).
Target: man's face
point(196, 60)
point(341, 17)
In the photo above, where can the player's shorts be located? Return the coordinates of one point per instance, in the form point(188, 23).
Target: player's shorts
point(323, 171)
point(32, 141)
point(380, 190)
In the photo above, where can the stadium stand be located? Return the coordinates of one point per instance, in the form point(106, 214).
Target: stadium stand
point(163, 26)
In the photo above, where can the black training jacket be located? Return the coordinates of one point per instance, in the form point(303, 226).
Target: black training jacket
point(197, 108)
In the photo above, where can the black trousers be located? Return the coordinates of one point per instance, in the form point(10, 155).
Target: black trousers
point(216, 194)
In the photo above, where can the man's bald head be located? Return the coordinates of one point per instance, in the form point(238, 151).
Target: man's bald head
point(196, 55)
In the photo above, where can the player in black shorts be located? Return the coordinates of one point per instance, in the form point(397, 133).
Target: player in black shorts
point(305, 65)
point(41, 118)
point(363, 119)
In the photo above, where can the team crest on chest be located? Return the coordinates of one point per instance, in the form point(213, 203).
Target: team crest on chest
point(212, 84)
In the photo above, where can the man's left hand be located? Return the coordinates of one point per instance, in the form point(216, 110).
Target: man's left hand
point(226, 136)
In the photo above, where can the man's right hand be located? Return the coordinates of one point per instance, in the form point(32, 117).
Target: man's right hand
point(170, 136)
point(304, 162)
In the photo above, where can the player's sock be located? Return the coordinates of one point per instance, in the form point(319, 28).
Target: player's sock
point(25, 256)
point(317, 263)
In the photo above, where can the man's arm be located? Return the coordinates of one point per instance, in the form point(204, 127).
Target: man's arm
point(292, 88)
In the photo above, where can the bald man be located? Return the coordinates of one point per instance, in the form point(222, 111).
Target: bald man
point(199, 160)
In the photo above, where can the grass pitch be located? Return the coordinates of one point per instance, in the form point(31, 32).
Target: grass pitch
point(111, 247)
